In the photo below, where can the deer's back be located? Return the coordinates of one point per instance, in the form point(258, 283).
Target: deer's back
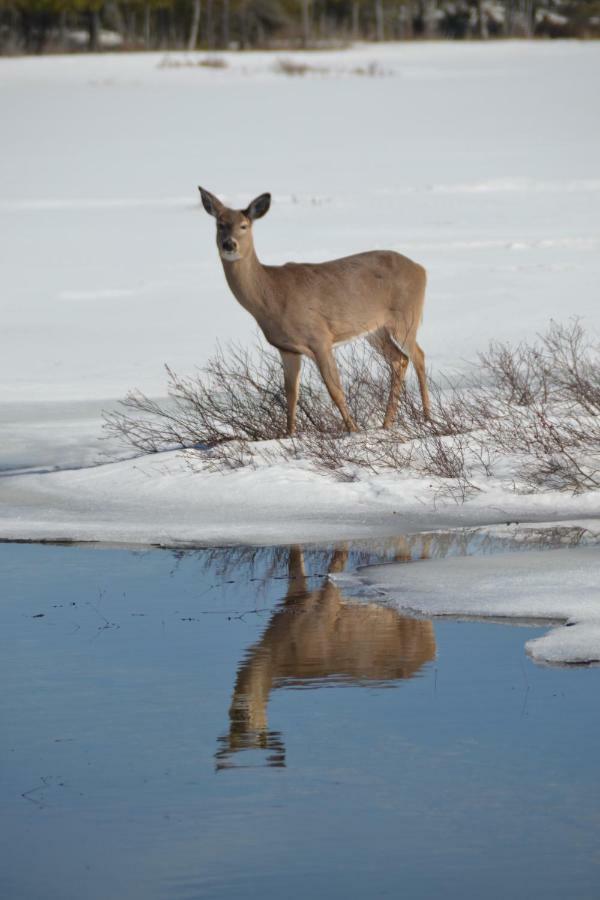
point(376, 271)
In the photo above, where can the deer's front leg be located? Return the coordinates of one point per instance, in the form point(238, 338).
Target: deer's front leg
point(292, 363)
point(330, 374)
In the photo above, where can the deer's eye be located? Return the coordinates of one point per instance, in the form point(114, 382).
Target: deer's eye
point(243, 227)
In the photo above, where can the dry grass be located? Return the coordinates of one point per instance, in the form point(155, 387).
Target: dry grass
point(295, 68)
point(207, 62)
point(371, 70)
point(287, 65)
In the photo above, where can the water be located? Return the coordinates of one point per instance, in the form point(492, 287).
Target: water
point(227, 724)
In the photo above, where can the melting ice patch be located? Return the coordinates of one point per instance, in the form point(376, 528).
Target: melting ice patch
point(555, 585)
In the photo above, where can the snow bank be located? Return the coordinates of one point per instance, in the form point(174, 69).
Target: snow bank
point(161, 499)
point(551, 585)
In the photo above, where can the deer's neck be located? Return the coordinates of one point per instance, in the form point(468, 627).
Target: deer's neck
point(248, 281)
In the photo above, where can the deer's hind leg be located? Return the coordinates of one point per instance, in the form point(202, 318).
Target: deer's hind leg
point(418, 360)
point(406, 343)
point(398, 363)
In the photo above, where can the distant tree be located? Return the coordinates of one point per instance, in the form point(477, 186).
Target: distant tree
point(90, 10)
point(36, 25)
point(195, 24)
point(35, 20)
point(305, 6)
point(379, 21)
point(482, 21)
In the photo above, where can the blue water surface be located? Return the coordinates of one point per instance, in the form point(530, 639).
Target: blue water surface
point(226, 723)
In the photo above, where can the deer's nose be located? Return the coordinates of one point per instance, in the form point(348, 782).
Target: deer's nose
point(229, 244)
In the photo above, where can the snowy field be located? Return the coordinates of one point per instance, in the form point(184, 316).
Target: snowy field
point(481, 162)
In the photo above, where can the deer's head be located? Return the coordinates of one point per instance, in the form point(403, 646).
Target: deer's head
point(234, 226)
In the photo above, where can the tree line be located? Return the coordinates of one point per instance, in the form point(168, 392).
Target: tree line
point(37, 26)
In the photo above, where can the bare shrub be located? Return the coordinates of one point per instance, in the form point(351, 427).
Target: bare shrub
point(432, 447)
point(212, 62)
point(293, 68)
point(572, 360)
point(207, 62)
point(542, 401)
point(235, 396)
point(560, 367)
point(517, 375)
point(537, 404)
point(239, 395)
point(371, 70)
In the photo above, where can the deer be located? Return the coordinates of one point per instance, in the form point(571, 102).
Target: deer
point(308, 309)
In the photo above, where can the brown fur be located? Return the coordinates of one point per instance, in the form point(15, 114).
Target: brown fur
point(306, 309)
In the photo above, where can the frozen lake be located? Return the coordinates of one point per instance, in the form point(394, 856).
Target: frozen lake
point(228, 723)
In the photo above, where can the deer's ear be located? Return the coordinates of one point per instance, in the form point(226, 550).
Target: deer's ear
point(259, 207)
point(210, 203)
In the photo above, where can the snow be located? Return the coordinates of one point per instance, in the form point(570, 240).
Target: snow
point(552, 585)
point(163, 499)
point(481, 162)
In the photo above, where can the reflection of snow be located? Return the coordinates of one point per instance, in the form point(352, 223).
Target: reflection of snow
point(552, 585)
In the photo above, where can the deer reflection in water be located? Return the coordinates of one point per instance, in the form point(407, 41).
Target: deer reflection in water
point(315, 636)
